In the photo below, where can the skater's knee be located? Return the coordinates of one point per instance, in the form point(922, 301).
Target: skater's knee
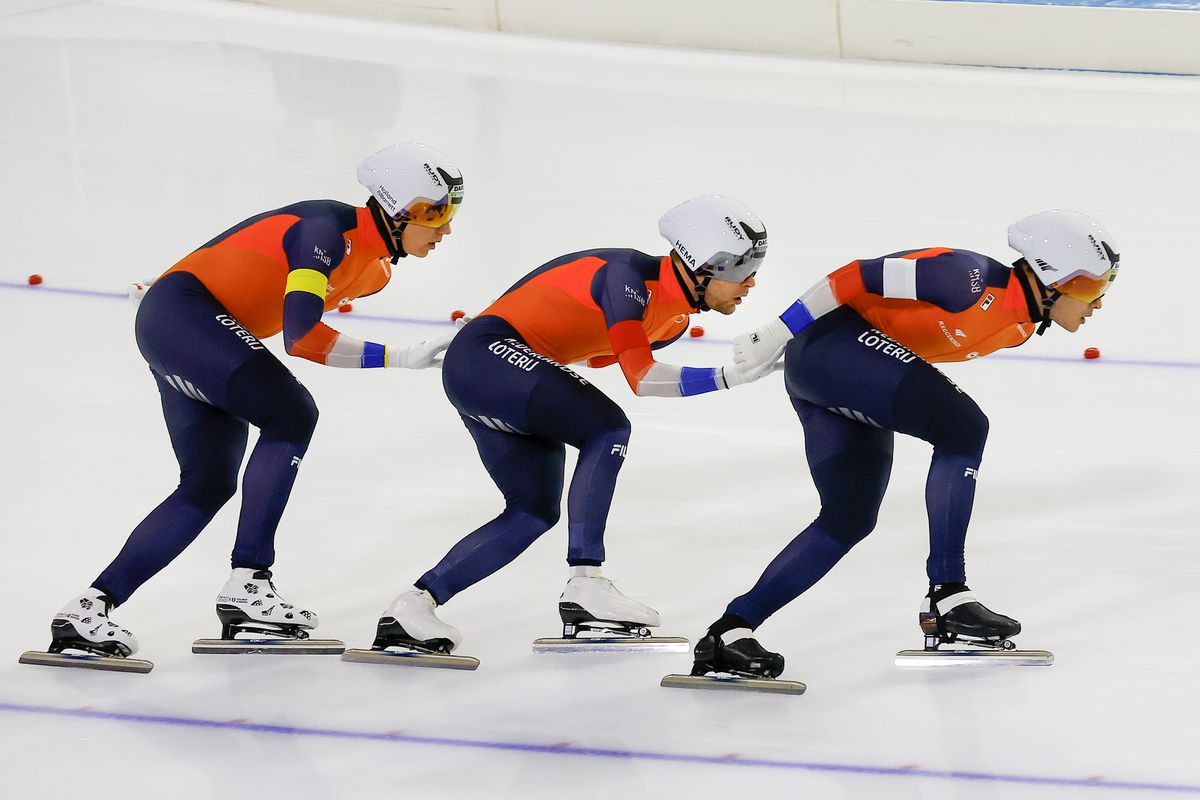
point(849, 522)
point(270, 398)
point(293, 421)
point(612, 427)
point(540, 515)
point(954, 422)
point(208, 490)
point(965, 432)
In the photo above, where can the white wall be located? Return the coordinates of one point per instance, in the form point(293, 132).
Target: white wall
point(922, 31)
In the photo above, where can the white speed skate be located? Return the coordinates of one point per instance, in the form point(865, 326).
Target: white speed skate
point(249, 604)
point(82, 635)
point(596, 617)
point(410, 634)
point(410, 622)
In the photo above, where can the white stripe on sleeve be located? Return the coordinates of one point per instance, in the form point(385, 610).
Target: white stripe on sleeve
point(900, 278)
point(820, 299)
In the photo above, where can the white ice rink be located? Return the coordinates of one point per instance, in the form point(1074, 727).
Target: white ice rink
point(131, 133)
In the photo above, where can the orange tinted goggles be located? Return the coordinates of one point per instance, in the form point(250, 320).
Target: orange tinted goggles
point(430, 213)
point(1086, 288)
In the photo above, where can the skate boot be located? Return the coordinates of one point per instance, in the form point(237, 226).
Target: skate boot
point(410, 623)
point(593, 612)
point(83, 627)
point(736, 652)
point(960, 630)
point(734, 660)
point(83, 624)
point(951, 612)
point(409, 634)
point(249, 604)
point(591, 603)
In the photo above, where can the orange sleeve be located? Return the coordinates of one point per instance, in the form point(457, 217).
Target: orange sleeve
point(632, 349)
point(847, 282)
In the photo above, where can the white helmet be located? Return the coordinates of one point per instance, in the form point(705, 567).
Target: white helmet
point(413, 183)
point(717, 237)
point(1068, 251)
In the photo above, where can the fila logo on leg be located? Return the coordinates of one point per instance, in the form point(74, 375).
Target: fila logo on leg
point(971, 473)
point(296, 461)
point(619, 449)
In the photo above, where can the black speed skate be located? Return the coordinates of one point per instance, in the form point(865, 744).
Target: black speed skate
point(960, 630)
point(742, 664)
point(745, 658)
point(951, 612)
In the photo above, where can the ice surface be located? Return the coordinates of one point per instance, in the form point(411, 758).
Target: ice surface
point(132, 133)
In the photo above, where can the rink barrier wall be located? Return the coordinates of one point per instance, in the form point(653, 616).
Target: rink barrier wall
point(1157, 36)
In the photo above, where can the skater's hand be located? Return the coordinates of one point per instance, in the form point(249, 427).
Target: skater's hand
point(137, 290)
point(421, 355)
point(761, 345)
point(737, 374)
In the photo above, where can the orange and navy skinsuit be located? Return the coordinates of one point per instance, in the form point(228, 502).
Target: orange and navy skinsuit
point(605, 307)
point(505, 373)
point(857, 371)
point(280, 271)
point(942, 304)
point(199, 327)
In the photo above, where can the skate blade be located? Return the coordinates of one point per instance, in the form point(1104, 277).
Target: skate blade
point(614, 644)
point(974, 658)
point(735, 683)
point(295, 647)
point(410, 658)
point(86, 661)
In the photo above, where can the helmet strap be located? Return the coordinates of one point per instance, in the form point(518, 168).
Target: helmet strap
point(390, 235)
point(1048, 301)
point(1039, 301)
point(698, 286)
point(701, 289)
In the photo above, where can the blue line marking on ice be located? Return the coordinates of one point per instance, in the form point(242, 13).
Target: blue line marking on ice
point(592, 752)
point(355, 316)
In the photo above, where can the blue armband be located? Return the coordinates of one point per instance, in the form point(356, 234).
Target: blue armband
point(374, 355)
point(697, 380)
point(797, 317)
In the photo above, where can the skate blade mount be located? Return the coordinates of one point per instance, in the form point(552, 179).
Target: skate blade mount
point(733, 682)
point(411, 658)
point(963, 657)
point(963, 652)
point(613, 644)
point(86, 661)
point(267, 646)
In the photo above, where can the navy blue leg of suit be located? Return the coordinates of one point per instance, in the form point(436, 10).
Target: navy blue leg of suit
point(850, 396)
point(213, 384)
point(521, 408)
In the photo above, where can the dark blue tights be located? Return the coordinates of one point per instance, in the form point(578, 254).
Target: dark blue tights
point(522, 409)
point(850, 398)
point(213, 384)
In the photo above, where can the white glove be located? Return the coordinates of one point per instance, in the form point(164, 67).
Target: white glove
point(761, 345)
point(420, 355)
point(137, 290)
point(423, 355)
point(737, 374)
